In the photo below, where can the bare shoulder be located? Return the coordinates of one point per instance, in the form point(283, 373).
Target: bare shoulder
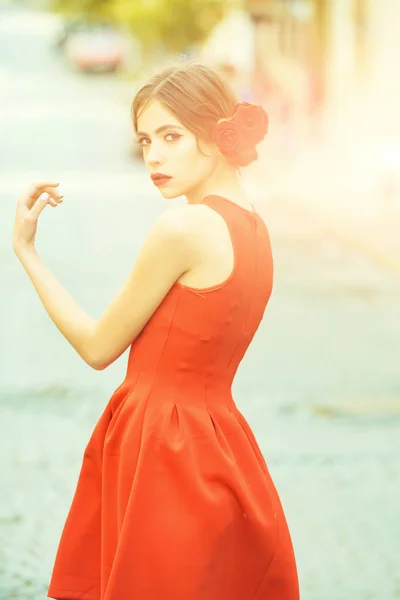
point(183, 214)
point(177, 220)
point(171, 230)
point(187, 223)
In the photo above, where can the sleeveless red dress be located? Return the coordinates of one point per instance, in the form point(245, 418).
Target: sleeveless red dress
point(174, 499)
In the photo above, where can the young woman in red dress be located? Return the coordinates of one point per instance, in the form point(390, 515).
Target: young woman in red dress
point(174, 499)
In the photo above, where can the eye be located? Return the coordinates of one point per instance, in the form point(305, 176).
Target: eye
point(144, 141)
point(175, 136)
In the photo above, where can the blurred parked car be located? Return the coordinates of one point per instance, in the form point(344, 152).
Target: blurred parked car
point(68, 28)
point(96, 47)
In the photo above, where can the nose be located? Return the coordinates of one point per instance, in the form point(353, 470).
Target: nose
point(154, 155)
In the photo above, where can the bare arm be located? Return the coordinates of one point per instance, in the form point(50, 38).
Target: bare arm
point(166, 254)
point(73, 322)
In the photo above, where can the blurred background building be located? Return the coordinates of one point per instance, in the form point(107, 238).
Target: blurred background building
point(325, 70)
point(326, 54)
point(302, 57)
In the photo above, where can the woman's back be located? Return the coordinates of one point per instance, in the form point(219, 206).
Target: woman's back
point(198, 337)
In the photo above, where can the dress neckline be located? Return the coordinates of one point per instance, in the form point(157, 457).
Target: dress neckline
point(250, 212)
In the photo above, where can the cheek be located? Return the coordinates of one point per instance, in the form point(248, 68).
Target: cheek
point(187, 148)
point(199, 161)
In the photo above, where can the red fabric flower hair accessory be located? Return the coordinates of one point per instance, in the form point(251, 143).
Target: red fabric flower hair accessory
point(240, 133)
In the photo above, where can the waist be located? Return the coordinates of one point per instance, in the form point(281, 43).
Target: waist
point(199, 391)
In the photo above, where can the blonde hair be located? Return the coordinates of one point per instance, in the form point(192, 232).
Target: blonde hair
point(197, 95)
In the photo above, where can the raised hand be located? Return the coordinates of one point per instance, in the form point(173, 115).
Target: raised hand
point(29, 207)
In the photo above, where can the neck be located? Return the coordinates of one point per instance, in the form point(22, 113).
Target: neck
point(223, 181)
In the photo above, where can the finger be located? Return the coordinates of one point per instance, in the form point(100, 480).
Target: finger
point(35, 192)
point(52, 200)
point(55, 200)
point(39, 205)
point(37, 188)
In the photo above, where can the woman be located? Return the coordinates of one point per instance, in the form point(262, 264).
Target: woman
point(174, 499)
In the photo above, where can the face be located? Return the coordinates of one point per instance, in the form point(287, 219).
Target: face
point(171, 149)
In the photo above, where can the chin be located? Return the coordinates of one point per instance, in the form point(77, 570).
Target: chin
point(170, 194)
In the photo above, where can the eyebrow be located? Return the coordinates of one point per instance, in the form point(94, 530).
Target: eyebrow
point(162, 128)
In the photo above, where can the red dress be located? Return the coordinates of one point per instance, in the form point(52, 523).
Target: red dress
point(174, 500)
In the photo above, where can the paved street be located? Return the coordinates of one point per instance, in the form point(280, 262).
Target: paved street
point(320, 384)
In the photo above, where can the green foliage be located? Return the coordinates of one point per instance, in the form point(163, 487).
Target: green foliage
point(92, 10)
point(171, 24)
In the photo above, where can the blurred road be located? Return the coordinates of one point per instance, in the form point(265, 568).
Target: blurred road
point(320, 384)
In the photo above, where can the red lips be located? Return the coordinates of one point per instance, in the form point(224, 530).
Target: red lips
point(156, 176)
point(160, 179)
